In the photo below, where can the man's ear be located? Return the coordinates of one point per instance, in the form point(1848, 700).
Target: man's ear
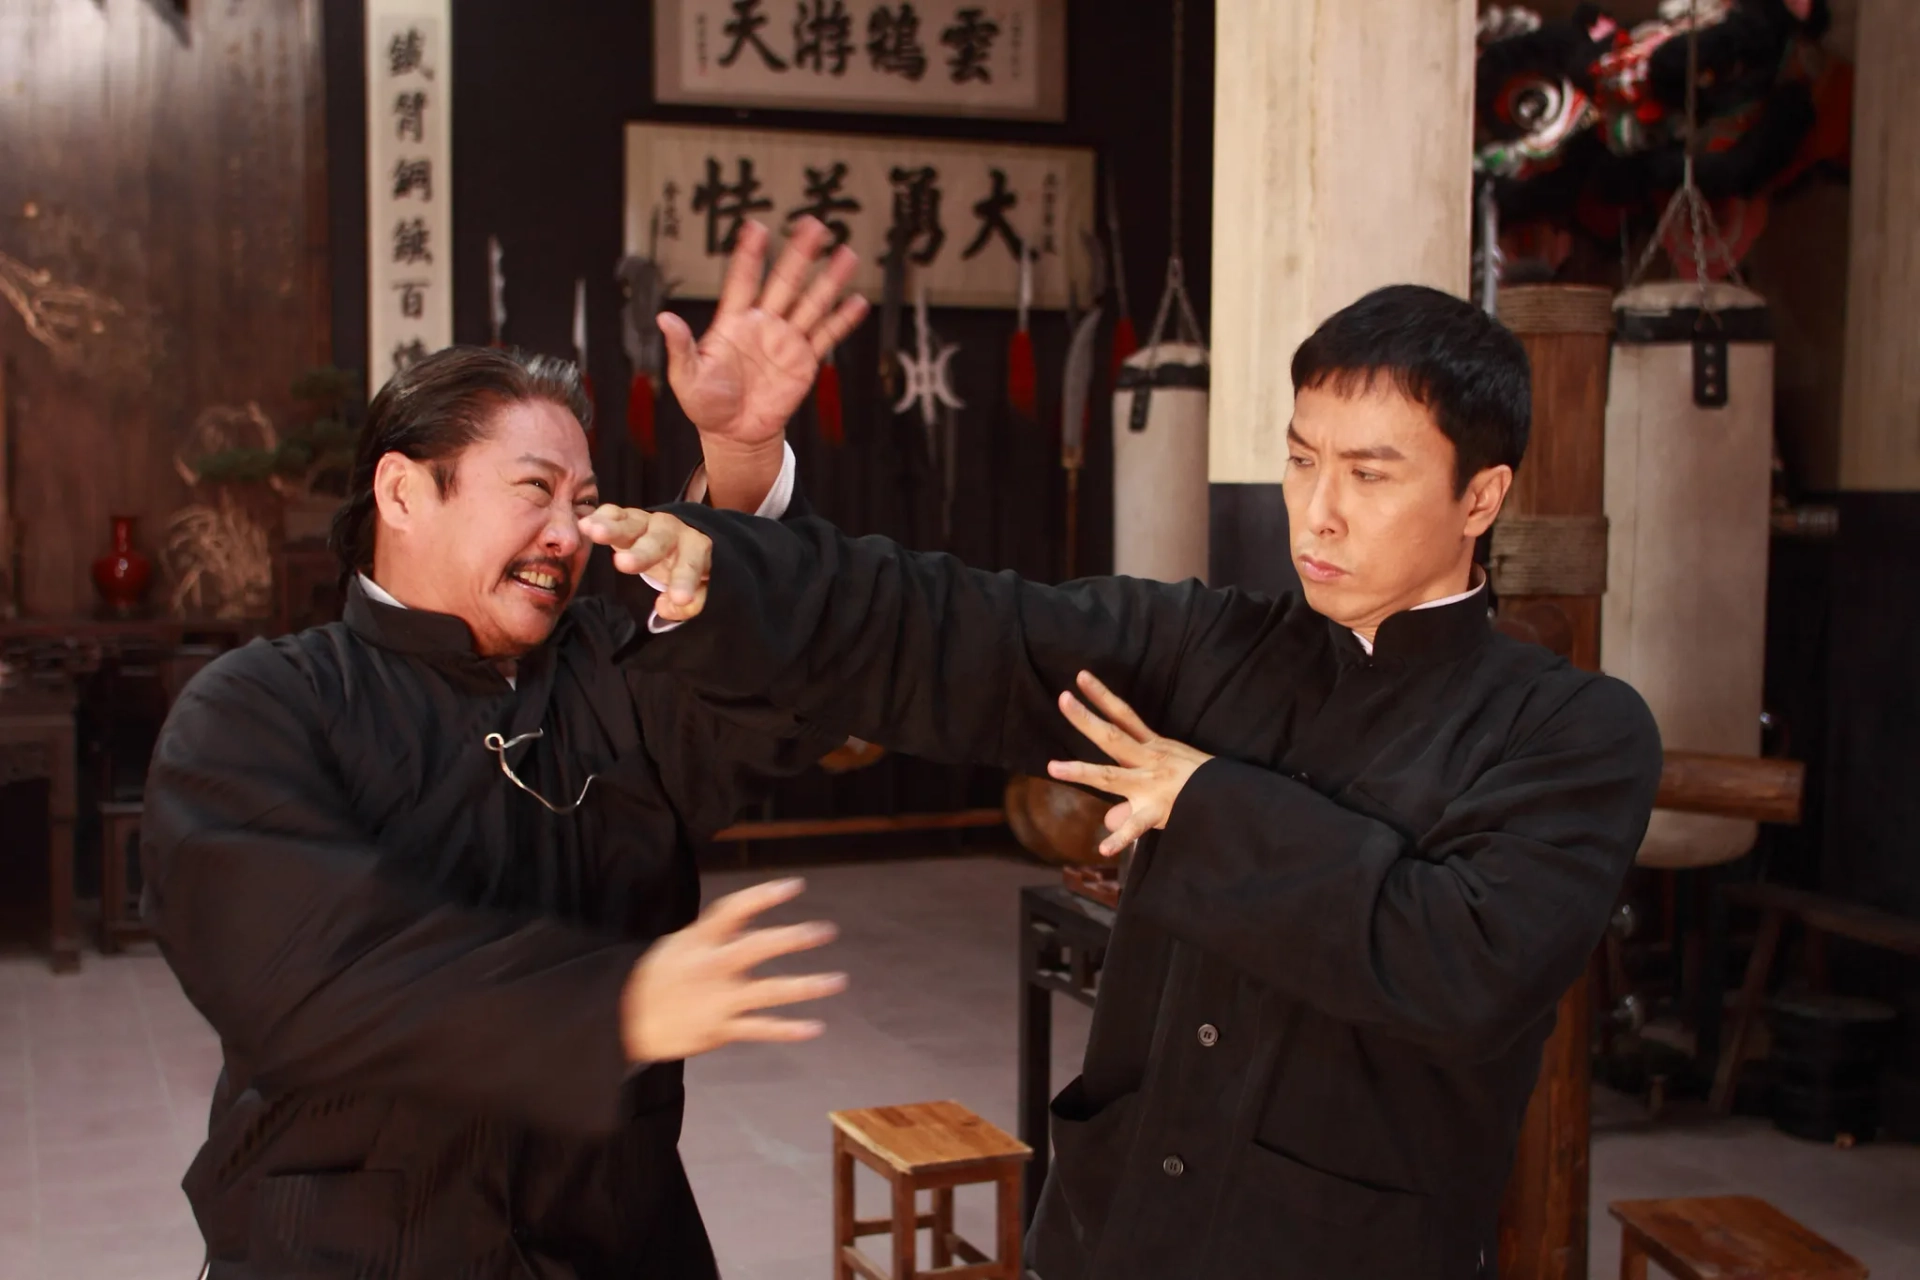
point(1486, 492)
point(400, 486)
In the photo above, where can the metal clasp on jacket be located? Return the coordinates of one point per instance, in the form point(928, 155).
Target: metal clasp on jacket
point(500, 746)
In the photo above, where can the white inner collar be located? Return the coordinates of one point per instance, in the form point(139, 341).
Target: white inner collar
point(1479, 583)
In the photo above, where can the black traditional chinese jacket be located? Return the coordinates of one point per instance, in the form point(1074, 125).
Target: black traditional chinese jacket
point(1323, 1007)
point(414, 968)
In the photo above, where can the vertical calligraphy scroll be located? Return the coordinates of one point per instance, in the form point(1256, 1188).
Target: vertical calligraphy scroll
point(409, 183)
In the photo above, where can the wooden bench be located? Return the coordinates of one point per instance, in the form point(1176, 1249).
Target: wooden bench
point(1822, 916)
point(1724, 1238)
point(929, 1146)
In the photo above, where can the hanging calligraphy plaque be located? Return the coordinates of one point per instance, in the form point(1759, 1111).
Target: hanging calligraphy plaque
point(409, 183)
point(1003, 58)
point(963, 211)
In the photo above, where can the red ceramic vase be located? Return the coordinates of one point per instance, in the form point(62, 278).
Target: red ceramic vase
point(123, 573)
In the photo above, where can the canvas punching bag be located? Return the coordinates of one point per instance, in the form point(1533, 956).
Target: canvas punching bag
point(1689, 459)
point(1160, 463)
point(1160, 409)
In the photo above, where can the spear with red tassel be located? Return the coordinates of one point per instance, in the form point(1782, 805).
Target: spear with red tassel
point(645, 289)
point(1022, 381)
point(826, 402)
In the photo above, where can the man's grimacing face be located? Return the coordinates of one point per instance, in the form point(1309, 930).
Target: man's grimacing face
point(502, 550)
point(1375, 523)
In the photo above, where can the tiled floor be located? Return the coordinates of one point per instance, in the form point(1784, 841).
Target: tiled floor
point(104, 1077)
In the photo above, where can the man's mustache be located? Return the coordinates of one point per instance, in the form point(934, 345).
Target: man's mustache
point(558, 569)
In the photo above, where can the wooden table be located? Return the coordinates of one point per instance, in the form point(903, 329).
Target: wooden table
point(1821, 915)
point(37, 740)
point(54, 660)
point(1063, 940)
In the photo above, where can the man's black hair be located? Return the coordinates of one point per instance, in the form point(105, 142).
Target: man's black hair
point(1442, 352)
point(433, 410)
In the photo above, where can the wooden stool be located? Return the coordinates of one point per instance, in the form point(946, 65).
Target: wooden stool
point(1724, 1238)
point(119, 918)
point(930, 1146)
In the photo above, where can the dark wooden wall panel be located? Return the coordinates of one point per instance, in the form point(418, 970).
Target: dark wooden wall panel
point(169, 164)
point(1872, 805)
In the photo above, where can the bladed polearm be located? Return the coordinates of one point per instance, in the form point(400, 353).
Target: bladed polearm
point(496, 291)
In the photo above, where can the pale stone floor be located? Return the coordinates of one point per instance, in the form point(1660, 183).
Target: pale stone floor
point(104, 1077)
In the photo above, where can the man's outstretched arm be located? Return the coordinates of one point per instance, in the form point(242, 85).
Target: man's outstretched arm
point(915, 650)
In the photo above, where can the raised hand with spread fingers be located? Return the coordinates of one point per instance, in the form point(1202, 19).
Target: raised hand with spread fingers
point(747, 374)
point(694, 991)
point(1149, 771)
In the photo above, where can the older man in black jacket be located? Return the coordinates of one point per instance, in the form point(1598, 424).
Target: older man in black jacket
point(428, 871)
point(1377, 839)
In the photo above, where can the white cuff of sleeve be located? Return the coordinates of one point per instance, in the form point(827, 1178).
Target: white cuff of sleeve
point(772, 507)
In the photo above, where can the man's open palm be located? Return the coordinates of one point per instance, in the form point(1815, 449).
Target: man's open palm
point(695, 991)
point(756, 362)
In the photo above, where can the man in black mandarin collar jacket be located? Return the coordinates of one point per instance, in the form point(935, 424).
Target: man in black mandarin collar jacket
point(1380, 838)
point(428, 871)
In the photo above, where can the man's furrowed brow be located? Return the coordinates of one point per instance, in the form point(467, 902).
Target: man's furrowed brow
point(1373, 453)
point(553, 468)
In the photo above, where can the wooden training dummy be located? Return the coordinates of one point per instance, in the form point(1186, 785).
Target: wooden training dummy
point(1688, 491)
point(1548, 563)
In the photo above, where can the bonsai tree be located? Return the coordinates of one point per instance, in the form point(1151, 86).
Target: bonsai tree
point(308, 461)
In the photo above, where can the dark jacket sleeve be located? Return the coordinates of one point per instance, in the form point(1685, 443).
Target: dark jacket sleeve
point(1458, 942)
point(714, 756)
point(921, 654)
point(320, 969)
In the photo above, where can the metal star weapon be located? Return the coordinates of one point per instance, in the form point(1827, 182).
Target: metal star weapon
point(926, 373)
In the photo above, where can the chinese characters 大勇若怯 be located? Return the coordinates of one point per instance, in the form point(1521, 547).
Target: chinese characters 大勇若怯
point(732, 203)
point(825, 199)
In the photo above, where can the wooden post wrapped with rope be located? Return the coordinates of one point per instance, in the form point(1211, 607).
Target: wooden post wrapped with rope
point(1548, 563)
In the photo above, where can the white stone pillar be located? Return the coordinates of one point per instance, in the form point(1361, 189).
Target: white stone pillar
point(1342, 161)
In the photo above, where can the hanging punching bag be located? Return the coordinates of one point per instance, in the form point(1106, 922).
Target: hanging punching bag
point(1160, 463)
point(1689, 465)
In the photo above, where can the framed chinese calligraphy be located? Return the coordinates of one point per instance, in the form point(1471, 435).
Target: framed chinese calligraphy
point(409, 183)
point(1003, 58)
point(963, 210)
